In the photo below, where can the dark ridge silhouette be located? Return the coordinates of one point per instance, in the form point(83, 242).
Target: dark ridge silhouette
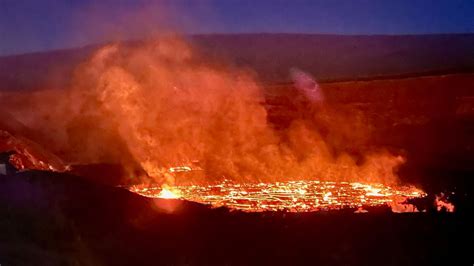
point(60, 219)
point(336, 57)
point(328, 57)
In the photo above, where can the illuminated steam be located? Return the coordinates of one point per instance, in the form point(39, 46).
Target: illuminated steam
point(306, 84)
point(160, 105)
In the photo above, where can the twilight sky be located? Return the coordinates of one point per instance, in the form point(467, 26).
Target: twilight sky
point(37, 25)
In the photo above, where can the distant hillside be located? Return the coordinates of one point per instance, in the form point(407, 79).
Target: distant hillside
point(327, 57)
point(37, 70)
point(343, 57)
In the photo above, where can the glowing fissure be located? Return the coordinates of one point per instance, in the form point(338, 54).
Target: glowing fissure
point(292, 196)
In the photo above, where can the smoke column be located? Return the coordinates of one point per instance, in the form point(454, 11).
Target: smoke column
point(159, 104)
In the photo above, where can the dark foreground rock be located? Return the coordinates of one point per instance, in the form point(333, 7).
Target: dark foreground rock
point(58, 219)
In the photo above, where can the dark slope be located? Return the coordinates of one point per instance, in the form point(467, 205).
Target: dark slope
point(331, 57)
point(40, 70)
point(328, 57)
point(57, 219)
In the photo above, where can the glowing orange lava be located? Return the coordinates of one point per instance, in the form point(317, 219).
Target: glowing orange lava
point(291, 196)
point(167, 193)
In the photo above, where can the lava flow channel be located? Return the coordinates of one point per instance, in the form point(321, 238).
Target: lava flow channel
point(291, 196)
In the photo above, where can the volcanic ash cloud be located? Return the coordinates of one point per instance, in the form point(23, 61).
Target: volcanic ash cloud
point(158, 105)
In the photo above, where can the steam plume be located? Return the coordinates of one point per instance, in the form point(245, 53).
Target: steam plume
point(307, 85)
point(159, 104)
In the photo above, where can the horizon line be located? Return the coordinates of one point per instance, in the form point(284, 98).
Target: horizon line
point(79, 46)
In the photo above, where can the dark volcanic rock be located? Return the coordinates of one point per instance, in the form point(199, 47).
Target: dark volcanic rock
point(58, 219)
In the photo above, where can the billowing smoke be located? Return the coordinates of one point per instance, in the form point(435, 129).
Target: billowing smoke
point(158, 105)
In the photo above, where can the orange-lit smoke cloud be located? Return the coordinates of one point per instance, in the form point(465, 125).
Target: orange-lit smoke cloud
point(157, 105)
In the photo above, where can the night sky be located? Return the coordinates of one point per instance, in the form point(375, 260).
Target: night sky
point(34, 25)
